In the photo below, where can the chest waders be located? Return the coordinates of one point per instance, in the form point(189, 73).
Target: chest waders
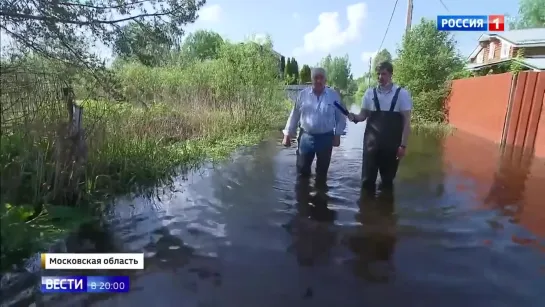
point(381, 141)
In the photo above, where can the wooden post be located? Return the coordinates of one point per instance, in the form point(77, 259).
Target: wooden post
point(409, 20)
point(70, 153)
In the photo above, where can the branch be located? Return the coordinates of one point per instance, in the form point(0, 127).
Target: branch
point(78, 22)
point(101, 7)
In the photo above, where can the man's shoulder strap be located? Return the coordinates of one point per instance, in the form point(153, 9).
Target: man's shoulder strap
point(375, 99)
point(394, 99)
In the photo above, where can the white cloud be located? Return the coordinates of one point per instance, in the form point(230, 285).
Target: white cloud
point(367, 55)
point(295, 16)
point(329, 35)
point(211, 13)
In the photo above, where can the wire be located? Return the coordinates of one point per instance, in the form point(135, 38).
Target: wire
point(444, 5)
point(388, 27)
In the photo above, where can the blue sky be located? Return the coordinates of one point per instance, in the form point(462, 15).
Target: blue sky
point(310, 29)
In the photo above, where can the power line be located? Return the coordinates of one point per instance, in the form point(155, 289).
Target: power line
point(388, 27)
point(444, 5)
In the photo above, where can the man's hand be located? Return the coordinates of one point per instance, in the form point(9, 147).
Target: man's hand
point(336, 141)
point(286, 141)
point(401, 152)
point(352, 117)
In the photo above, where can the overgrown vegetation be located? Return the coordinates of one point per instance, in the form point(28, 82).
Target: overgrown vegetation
point(173, 108)
point(531, 14)
point(426, 62)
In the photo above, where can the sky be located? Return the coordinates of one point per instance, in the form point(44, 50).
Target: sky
point(310, 29)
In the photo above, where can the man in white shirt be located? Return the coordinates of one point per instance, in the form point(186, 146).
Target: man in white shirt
point(321, 125)
point(387, 109)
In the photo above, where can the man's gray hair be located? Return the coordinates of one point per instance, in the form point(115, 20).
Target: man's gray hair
point(317, 71)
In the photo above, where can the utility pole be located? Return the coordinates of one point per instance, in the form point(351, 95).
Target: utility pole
point(409, 16)
point(370, 72)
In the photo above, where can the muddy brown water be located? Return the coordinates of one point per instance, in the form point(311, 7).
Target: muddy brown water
point(465, 228)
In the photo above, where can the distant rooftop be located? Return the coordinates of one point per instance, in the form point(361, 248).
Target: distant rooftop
point(535, 63)
point(520, 37)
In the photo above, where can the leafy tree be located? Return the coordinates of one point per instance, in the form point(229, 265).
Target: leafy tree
point(531, 14)
point(288, 67)
point(202, 45)
point(304, 75)
point(295, 69)
point(382, 56)
point(148, 45)
point(426, 60)
point(338, 71)
point(283, 65)
point(363, 83)
point(291, 72)
point(64, 29)
point(352, 87)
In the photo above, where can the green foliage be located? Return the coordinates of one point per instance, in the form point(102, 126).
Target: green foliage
point(295, 69)
point(291, 75)
point(149, 45)
point(22, 232)
point(531, 14)
point(515, 66)
point(65, 30)
point(352, 87)
point(283, 65)
point(304, 75)
point(426, 62)
point(202, 45)
point(364, 83)
point(382, 56)
point(338, 71)
point(195, 111)
point(462, 74)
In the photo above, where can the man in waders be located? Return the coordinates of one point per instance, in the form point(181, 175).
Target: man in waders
point(321, 125)
point(387, 109)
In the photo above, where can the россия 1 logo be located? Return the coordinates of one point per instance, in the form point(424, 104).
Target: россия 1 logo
point(492, 23)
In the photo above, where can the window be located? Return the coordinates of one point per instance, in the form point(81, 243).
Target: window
point(505, 48)
point(491, 49)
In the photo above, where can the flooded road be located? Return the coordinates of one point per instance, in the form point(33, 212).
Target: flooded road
point(463, 229)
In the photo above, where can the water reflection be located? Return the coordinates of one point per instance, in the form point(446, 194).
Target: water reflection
point(218, 240)
point(509, 183)
point(310, 228)
point(374, 241)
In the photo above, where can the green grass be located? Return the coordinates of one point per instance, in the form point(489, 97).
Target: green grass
point(129, 159)
point(174, 117)
point(435, 129)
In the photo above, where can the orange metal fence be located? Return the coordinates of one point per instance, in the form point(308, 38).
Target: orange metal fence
point(503, 108)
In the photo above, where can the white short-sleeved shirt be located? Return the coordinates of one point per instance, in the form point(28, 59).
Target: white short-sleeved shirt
point(404, 100)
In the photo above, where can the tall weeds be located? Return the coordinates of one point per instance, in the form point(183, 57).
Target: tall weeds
point(174, 116)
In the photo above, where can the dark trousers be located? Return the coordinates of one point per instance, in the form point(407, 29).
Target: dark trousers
point(304, 162)
point(384, 162)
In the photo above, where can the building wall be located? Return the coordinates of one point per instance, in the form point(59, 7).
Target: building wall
point(528, 52)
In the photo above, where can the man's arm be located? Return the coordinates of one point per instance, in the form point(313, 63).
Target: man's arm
point(293, 119)
point(340, 119)
point(405, 107)
point(366, 104)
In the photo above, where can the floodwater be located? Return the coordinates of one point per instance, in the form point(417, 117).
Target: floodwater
point(464, 228)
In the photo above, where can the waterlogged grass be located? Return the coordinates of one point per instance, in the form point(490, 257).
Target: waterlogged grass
point(129, 150)
point(175, 116)
point(24, 233)
point(435, 129)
